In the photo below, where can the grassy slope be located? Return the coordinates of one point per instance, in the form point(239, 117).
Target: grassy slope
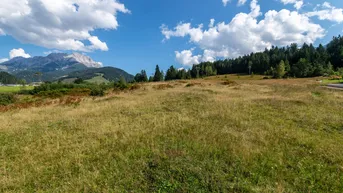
point(7, 89)
point(259, 136)
point(98, 80)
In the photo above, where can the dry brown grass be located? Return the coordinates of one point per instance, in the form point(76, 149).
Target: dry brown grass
point(259, 136)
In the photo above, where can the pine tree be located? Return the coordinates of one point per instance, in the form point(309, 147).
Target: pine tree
point(171, 73)
point(158, 76)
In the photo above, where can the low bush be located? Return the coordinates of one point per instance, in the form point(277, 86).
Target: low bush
point(6, 99)
point(194, 84)
point(229, 83)
point(335, 77)
point(55, 90)
point(97, 91)
point(163, 86)
point(134, 87)
point(120, 86)
point(53, 93)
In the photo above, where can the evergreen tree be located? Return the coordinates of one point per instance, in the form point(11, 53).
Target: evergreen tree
point(151, 79)
point(158, 76)
point(141, 77)
point(171, 73)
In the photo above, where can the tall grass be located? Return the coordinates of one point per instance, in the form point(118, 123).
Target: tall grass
point(260, 136)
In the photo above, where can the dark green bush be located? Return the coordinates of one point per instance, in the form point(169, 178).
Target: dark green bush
point(6, 98)
point(120, 86)
point(53, 93)
point(97, 91)
point(78, 81)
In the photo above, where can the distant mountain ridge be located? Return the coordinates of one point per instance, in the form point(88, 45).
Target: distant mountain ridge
point(56, 66)
point(52, 62)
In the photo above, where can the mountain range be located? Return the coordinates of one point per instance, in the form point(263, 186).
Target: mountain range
point(57, 66)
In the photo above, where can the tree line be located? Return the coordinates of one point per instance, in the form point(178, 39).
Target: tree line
point(290, 61)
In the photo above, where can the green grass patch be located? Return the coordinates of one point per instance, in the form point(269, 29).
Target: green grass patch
point(14, 89)
point(326, 81)
point(98, 80)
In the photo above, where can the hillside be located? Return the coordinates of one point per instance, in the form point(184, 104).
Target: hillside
point(60, 65)
point(6, 78)
point(108, 73)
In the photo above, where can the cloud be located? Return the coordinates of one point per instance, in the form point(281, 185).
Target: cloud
point(241, 2)
point(97, 44)
point(3, 60)
point(328, 12)
point(297, 3)
point(2, 33)
point(18, 53)
point(51, 51)
point(245, 34)
point(62, 24)
point(225, 2)
point(211, 23)
point(186, 57)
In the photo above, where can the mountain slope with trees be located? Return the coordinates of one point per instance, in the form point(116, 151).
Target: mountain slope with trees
point(6, 78)
point(109, 73)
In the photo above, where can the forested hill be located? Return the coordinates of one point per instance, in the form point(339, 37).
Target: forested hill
point(299, 61)
point(291, 61)
point(6, 78)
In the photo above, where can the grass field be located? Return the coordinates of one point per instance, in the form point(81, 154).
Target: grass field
point(183, 136)
point(332, 81)
point(9, 89)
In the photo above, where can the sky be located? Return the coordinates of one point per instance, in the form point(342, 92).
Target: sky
point(135, 34)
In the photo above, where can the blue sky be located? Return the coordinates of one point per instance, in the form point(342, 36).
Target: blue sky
point(138, 41)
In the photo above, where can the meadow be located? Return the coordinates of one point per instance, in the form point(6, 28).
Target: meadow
point(219, 134)
point(13, 89)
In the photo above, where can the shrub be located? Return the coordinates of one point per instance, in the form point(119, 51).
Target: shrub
point(78, 81)
point(229, 83)
point(194, 84)
point(121, 84)
point(96, 91)
point(135, 87)
point(6, 99)
point(335, 77)
point(53, 93)
point(163, 86)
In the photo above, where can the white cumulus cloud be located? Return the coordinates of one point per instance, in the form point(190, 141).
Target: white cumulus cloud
point(245, 34)
point(59, 24)
point(19, 53)
point(297, 3)
point(186, 57)
point(328, 12)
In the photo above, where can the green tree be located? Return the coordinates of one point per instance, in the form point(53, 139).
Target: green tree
point(151, 79)
point(158, 76)
point(171, 73)
point(141, 77)
point(280, 70)
point(287, 66)
point(78, 81)
point(302, 68)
